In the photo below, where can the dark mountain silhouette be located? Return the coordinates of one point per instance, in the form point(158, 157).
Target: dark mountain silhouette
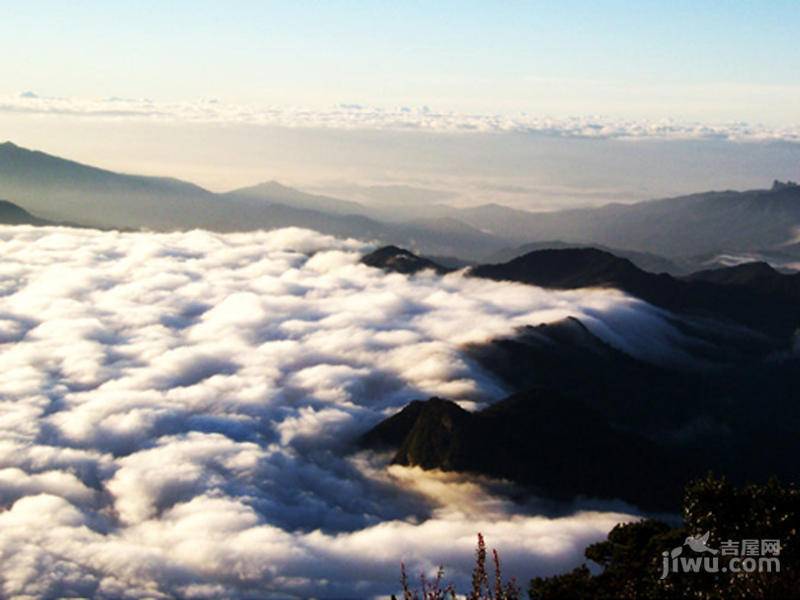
point(588, 419)
point(769, 309)
point(756, 276)
point(391, 432)
point(725, 402)
point(11, 214)
point(438, 438)
point(717, 389)
point(567, 269)
point(557, 446)
point(588, 267)
point(398, 260)
point(644, 260)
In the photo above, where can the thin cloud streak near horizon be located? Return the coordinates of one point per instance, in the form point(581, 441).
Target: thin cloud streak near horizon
point(351, 116)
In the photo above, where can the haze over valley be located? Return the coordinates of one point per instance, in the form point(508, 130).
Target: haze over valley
point(690, 232)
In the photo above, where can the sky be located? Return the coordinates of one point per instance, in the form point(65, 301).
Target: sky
point(678, 70)
point(643, 59)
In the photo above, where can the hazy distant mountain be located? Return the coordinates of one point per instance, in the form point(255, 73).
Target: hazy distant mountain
point(670, 235)
point(448, 224)
point(393, 195)
point(273, 192)
point(11, 214)
point(397, 202)
point(63, 190)
point(714, 224)
point(709, 222)
point(495, 218)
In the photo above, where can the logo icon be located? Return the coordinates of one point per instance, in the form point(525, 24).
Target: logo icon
point(700, 544)
point(739, 556)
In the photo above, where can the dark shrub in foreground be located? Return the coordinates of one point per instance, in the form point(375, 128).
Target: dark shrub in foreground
point(634, 563)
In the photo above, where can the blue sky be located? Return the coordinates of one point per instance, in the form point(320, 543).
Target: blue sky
point(697, 60)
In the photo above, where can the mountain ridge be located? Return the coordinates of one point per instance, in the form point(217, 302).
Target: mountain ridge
point(758, 276)
point(678, 229)
point(775, 315)
point(586, 419)
point(552, 444)
point(275, 192)
point(11, 214)
point(589, 267)
point(62, 190)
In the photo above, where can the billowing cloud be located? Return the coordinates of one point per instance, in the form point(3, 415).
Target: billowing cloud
point(177, 413)
point(357, 116)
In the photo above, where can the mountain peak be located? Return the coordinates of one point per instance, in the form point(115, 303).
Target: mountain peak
point(743, 273)
point(757, 276)
point(538, 438)
point(564, 268)
point(10, 146)
point(784, 185)
point(11, 214)
point(399, 260)
point(272, 184)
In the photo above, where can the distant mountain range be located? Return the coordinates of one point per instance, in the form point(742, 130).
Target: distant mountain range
point(711, 222)
point(61, 190)
point(676, 235)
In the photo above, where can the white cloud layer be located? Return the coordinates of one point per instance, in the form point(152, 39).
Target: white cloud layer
point(175, 412)
point(357, 116)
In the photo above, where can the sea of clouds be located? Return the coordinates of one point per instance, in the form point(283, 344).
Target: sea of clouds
point(402, 118)
point(177, 416)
